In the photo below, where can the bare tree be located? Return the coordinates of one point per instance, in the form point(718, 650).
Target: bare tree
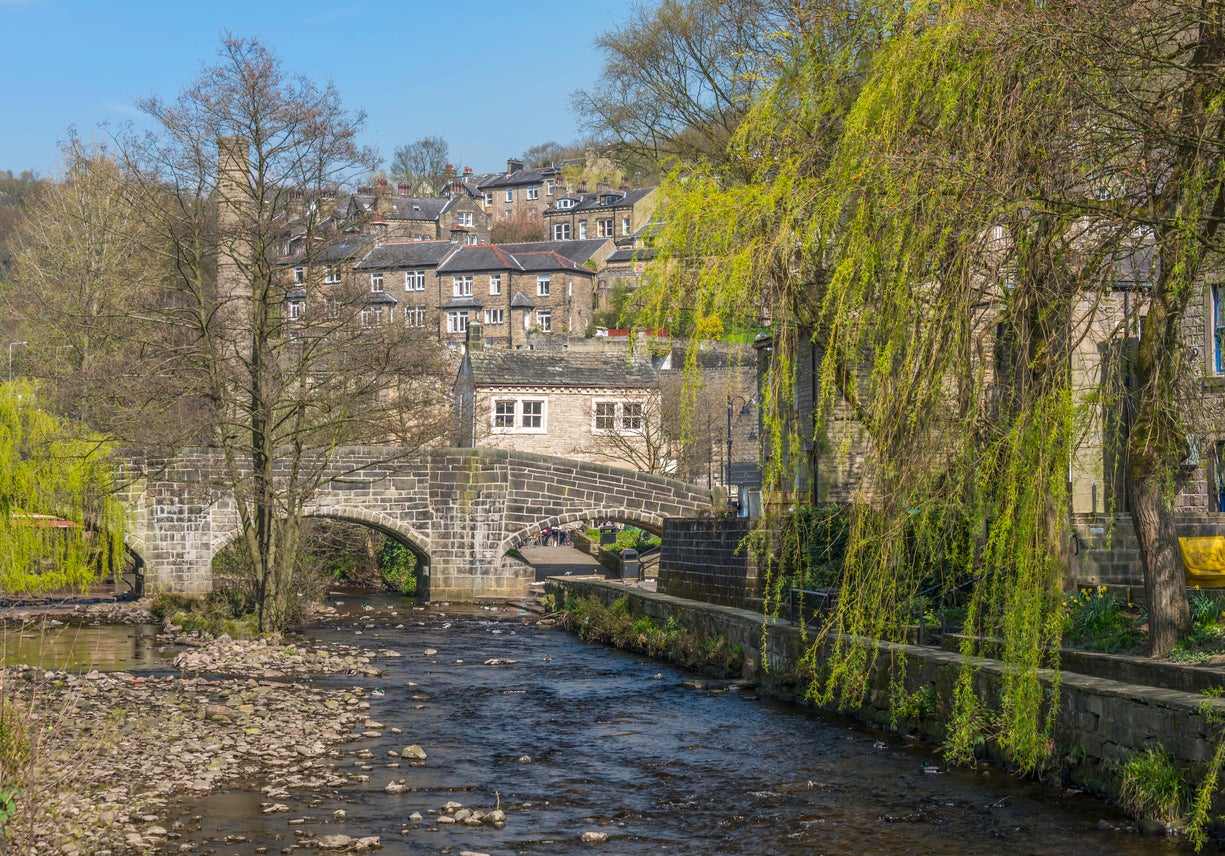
point(519, 228)
point(239, 180)
point(421, 164)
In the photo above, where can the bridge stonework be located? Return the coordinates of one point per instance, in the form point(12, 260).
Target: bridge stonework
point(460, 510)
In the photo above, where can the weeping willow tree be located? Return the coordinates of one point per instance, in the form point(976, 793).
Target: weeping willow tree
point(940, 197)
point(59, 526)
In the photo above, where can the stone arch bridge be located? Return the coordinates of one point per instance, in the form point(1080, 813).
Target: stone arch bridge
point(459, 510)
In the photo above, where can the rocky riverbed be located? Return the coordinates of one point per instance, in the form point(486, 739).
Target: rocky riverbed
point(113, 752)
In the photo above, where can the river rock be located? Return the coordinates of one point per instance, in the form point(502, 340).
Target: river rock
point(413, 752)
point(334, 842)
point(592, 837)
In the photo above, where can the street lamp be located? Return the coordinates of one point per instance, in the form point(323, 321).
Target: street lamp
point(744, 411)
point(11, 346)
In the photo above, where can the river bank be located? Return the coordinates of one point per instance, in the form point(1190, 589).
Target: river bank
point(114, 752)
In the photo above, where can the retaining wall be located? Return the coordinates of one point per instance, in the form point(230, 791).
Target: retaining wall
point(702, 559)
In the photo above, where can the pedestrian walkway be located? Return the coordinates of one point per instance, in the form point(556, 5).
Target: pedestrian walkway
point(562, 562)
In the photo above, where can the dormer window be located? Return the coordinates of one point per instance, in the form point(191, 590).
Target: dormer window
point(565, 203)
point(610, 198)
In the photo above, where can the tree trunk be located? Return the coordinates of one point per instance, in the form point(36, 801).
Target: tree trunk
point(1169, 618)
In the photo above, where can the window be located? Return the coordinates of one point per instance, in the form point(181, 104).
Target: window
point(533, 193)
point(414, 280)
point(457, 322)
point(461, 286)
point(561, 231)
point(625, 225)
point(582, 230)
point(331, 308)
point(495, 284)
point(331, 274)
point(299, 274)
point(376, 281)
point(414, 316)
point(510, 195)
point(1218, 329)
point(495, 316)
point(518, 414)
point(617, 417)
point(542, 285)
point(544, 320)
point(565, 203)
point(463, 218)
point(295, 310)
point(372, 316)
point(473, 240)
point(604, 228)
point(549, 184)
point(488, 199)
point(504, 414)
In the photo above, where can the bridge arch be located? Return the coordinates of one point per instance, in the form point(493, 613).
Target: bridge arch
point(461, 510)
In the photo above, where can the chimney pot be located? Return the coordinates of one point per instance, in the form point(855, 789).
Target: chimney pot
point(467, 170)
point(582, 186)
point(403, 188)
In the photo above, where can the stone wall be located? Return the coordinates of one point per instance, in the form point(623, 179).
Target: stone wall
point(1105, 551)
point(702, 559)
point(1100, 722)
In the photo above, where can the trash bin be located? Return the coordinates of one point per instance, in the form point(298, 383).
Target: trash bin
point(608, 536)
point(631, 568)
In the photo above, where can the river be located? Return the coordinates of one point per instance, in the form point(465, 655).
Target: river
point(571, 738)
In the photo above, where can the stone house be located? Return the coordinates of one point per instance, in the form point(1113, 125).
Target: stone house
point(521, 192)
point(584, 406)
point(403, 217)
point(329, 270)
point(407, 272)
point(614, 213)
point(518, 293)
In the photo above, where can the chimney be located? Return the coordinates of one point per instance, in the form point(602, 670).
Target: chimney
point(448, 172)
point(467, 170)
point(457, 186)
point(513, 165)
point(625, 182)
point(404, 189)
point(582, 186)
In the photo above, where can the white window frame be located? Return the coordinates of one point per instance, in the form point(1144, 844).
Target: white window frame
point(549, 185)
point(331, 274)
point(604, 227)
point(495, 316)
point(461, 285)
point(582, 230)
point(618, 416)
point(457, 321)
point(299, 274)
point(625, 226)
point(495, 284)
point(533, 193)
point(543, 285)
point(561, 231)
point(544, 320)
point(488, 200)
point(463, 218)
point(510, 194)
point(294, 310)
point(517, 415)
point(376, 281)
point(414, 280)
point(414, 316)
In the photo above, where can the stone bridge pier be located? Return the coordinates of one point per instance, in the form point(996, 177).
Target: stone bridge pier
point(459, 510)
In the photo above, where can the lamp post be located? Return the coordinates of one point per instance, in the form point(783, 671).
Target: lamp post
point(11, 346)
point(744, 411)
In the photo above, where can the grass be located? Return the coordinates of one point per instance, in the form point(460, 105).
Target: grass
point(1098, 620)
point(1152, 787)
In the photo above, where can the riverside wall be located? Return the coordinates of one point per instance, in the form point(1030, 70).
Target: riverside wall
point(1100, 724)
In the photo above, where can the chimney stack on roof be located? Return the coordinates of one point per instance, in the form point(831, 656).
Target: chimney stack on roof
point(513, 165)
point(467, 170)
point(582, 186)
point(625, 182)
point(404, 189)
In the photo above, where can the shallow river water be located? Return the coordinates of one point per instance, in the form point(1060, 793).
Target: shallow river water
point(618, 745)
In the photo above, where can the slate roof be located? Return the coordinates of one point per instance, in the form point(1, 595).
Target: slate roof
point(337, 251)
point(376, 298)
point(536, 175)
point(542, 256)
point(595, 201)
point(427, 208)
point(521, 301)
point(560, 369)
point(405, 254)
point(463, 303)
point(630, 254)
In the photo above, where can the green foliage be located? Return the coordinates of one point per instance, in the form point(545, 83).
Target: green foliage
point(51, 471)
point(813, 546)
point(912, 707)
point(1207, 637)
point(398, 567)
point(628, 537)
point(617, 625)
point(1152, 787)
point(1095, 620)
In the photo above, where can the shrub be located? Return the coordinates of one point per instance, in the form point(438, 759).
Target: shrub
point(1094, 619)
point(813, 547)
point(1152, 787)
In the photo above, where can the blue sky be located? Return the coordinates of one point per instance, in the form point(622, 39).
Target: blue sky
point(493, 77)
